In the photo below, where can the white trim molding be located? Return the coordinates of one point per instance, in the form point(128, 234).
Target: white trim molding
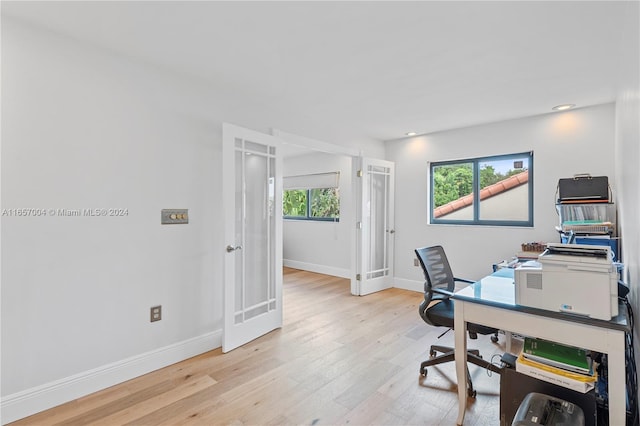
point(320, 269)
point(409, 284)
point(40, 398)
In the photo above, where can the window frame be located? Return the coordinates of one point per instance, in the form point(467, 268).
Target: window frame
point(308, 209)
point(476, 162)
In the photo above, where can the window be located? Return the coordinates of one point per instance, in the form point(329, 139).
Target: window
point(483, 191)
point(312, 197)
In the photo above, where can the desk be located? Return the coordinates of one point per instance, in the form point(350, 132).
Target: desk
point(491, 302)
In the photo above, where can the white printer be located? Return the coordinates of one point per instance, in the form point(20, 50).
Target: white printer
point(575, 278)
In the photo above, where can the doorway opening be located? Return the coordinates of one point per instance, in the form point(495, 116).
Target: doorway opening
point(359, 245)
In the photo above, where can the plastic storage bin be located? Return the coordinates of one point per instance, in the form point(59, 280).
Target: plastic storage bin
point(587, 218)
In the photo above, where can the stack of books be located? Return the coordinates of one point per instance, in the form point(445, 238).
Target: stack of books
point(562, 365)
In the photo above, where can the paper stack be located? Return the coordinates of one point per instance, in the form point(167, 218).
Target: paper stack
point(562, 365)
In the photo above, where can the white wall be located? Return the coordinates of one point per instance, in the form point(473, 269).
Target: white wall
point(323, 247)
point(575, 141)
point(628, 172)
point(85, 128)
point(82, 129)
point(628, 159)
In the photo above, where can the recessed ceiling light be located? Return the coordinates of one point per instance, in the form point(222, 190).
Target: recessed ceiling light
point(410, 133)
point(563, 107)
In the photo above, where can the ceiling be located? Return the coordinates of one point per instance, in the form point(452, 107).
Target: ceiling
point(368, 70)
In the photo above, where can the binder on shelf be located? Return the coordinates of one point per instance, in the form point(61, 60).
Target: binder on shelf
point(582, 383)
point(583, 189)
point(582, 201)
point(556, 355)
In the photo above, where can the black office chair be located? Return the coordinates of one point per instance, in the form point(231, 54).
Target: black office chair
point(437, 309)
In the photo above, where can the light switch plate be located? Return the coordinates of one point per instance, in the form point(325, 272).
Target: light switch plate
point(174, 216)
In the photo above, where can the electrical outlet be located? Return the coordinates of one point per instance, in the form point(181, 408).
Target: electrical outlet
point(156, 313)
point(415, 262)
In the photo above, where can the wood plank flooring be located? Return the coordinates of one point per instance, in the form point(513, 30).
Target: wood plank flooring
point(338, 359)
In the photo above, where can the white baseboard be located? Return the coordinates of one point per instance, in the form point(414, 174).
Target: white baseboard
point(346, 273)
point(320, 269)
point(409, 284)
point(34, 400)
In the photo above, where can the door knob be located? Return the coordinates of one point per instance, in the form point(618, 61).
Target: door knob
point(232, 248)
point(391, 231)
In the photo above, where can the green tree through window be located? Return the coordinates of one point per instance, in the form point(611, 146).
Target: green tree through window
point(451, 182)
point(312, 204)
point(294, 203)
point(325, 203)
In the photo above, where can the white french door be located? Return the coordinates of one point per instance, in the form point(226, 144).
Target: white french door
point(375, 238)
point(252, 194)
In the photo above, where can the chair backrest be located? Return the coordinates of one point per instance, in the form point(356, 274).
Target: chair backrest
point(437, 275)
point(437, 272)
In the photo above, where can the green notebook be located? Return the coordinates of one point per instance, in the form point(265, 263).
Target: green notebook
point(561, 356)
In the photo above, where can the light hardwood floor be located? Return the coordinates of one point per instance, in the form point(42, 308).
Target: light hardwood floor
point(338, 359)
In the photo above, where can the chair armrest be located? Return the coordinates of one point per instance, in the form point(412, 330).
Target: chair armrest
point(446, 293)
point(463, 280)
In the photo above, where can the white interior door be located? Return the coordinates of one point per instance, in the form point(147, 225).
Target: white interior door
point(375, 227)
point(252, 193)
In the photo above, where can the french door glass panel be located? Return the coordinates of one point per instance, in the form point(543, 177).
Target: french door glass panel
point(378, 262)
point(255, 225)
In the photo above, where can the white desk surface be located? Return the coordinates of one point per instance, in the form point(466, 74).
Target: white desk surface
point(498, 290)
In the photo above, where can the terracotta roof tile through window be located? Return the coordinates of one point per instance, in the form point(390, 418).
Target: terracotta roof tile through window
point(488, 192)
